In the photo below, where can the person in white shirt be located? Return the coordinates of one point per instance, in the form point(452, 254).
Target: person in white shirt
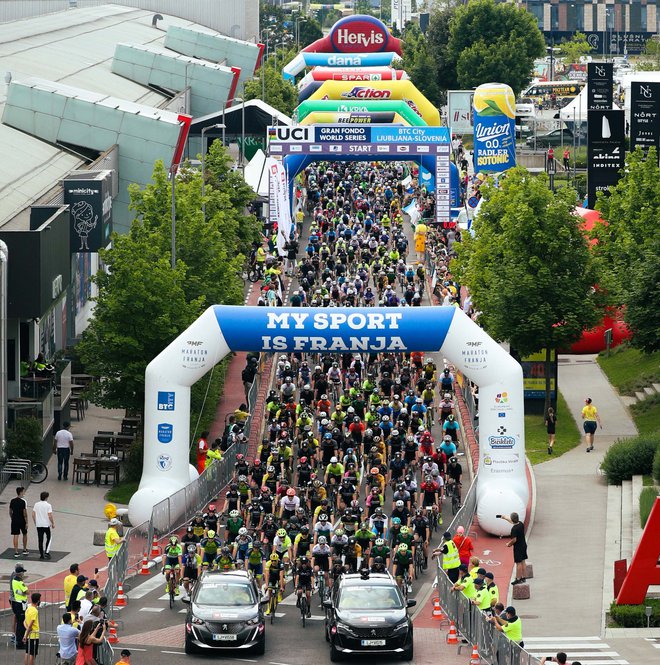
point(67, 636)
point(86, 605)
point(42, 516)
point(63, 448)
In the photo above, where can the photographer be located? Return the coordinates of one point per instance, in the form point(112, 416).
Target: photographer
point(89, 636)
point(519, 545)
point(560, 658)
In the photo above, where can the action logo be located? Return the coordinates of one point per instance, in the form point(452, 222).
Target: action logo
point(361, 92)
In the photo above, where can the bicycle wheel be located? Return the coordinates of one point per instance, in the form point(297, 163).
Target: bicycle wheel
point(38, 472)
point(273, 603)
point(253, 274)
point(455, 504)
point(303, 608)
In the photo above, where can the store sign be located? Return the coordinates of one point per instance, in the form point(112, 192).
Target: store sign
point(604, 43)
point(605, 151)
point(600, 85)
point(645, 115)
point(90, 207)
point(460, 117)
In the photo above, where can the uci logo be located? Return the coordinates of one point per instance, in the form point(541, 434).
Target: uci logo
point(285, 134)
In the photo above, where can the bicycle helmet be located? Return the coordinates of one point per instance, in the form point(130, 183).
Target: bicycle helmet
point(281, 533)
point(212, 508)
point(274, 557)
point(322, 540)
point(210, 533)
point(403, 547)
point(396, 520)
point(291, 492)
point(191, 547)
point(174, 540)
point(333, 460)
point(339, 532)
point(234, 514)
point(399, 504)
point(225, 550)
point(404, 530)
point(242, 531)
point(374, 471)
point(323, 517)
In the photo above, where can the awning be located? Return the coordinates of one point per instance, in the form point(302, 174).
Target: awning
point(258, 116)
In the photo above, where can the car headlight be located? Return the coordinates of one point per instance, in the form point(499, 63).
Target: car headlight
point(400, 627)
point(344, 627)
point(197, 621)
point(254, 621)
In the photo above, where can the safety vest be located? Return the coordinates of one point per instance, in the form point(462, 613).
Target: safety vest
point(212, 455)
point(19, 591)
point(111, 547)
point(483, 598)
point(451, 560)
point(513, 630)
point(469, 591)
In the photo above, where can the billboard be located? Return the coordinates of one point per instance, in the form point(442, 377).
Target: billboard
point(380, 91)
point(303, 59)
point(494, 128)
point(605, 151)
point(600, 85)
point(401, 13)
point(354, 118)
point(333, 105)
point(459, 111)
point(645, 115)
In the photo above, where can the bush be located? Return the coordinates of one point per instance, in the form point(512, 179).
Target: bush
point(630, 457)
point(24, 440)
point(634, 616)
point(134, 458)
point(646, 501)
point(656, 466)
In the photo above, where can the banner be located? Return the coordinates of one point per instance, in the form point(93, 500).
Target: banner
point(353, 74)
point(600, 85)
point(356, 34)
point(605, 152)
point(279, 204)
point(302, 60)
point(356, 118)
point(459, 111)
point(401, 13)
point(645, 115)
point(380, 91)
point(494, 128)
point(333, 105)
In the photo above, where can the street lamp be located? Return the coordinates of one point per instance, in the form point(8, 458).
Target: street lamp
point(299, 20)
point(204, 130)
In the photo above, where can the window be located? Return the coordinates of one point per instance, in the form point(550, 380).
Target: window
point(554, 17)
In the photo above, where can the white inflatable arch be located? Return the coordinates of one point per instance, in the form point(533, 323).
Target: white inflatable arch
point(221, 329)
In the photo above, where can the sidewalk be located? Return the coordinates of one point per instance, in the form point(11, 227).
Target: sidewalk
point(77, 510)
point(567, 543)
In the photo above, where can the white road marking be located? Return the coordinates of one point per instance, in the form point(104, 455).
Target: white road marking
point(146, 587)
point(151, 609)
point(178, 653)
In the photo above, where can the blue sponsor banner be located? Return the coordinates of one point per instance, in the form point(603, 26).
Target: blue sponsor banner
point(366, 329)
point(348, 59)
point(391, 134)
point(494, 143)
point(165, 432)
point(165, 400)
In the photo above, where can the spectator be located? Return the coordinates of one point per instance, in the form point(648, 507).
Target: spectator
point(125, 658)
point(18, 519)
point(519, 545)
point(591, 420)
point(66, 637)
point(42, 515)
point(86, 605)
point(70, 581)
point(212, 454)
point(241, 414)
point(63, 448)
point(112, 539)
point(248, 374)
point(550, 428)
point(567, 158)
point(18, 595)
point(560, 658)
point(510, 624)
point(31, 624)
point(86, 643)
point(464, 544)
point(202, 447)
point(77, 592)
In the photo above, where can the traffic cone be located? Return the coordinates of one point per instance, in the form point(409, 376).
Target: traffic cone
point(155, 550)
point(121, 598)
point(438, 614)
point(112, 633)
point(145, 565)
point(452, 635)
point(474, 658)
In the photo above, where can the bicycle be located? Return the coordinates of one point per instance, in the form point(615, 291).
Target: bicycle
point(320, 585)
point(38, 472)
point(434, 521)
point(419, 560)
point(304, 608)
point(172, 584)
point(429, 416)
point(273, 601)
point(455, 492)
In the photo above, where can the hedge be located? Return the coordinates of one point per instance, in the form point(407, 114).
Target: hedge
point(630, 457)
point(634, 616)
point(646, 501)
point(656, 466)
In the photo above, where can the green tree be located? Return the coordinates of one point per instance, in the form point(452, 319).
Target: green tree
point(650, 59)
point(492, 41)
point(419, 64)
point(529, 268)
point(628, 246)
point(309, 31)
point(571, 50)
point(437, 37)
point(271, 87)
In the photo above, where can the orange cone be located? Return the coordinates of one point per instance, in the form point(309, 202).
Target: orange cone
point(145, 565)
point(155, 550)
point(474, 658)
point(438, 614)
point(452, 635)
point(121, 598)
point(112, 633)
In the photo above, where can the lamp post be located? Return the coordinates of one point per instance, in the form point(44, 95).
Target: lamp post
point(204, 130)
point(299, 20)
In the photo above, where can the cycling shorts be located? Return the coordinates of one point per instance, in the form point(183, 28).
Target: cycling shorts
point(172, 562)
point(256, 568)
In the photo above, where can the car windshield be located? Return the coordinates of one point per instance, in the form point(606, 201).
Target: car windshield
point(223, 594)
point(370, 598)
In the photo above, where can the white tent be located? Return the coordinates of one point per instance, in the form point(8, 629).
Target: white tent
point(256, 174)
point(577, 109)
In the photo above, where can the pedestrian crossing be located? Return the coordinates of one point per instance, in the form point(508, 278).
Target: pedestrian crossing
point(588, 650)
point(655, 641)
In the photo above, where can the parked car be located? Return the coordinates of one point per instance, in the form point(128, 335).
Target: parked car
point(225, 613)
point(368, 615)
point(553, 138)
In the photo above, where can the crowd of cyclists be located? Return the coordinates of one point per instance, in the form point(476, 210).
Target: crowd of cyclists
point(360, 450)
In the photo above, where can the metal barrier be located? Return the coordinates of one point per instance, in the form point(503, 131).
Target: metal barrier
point(15, 469)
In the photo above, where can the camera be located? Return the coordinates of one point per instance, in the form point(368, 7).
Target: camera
point(498, 517)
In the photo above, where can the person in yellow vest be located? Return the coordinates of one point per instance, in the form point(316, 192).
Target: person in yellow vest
point(421, 230)
point(112, 539)
point(212, 454)
point(451, 562)
point(18, 596)
point(482, 597)
point(70, 581)
point(492, 589)
point(510, 624)
point(465, 583)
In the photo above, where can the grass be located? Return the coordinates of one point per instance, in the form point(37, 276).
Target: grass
point(646, 501)
point(647, 481)
point(122, 492)
point(646, 414)
point(629, 369)
point(536, 437)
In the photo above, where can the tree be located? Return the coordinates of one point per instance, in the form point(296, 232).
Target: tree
point(650, 59)
point(529, 268)
point(419, 64)
point(437, 38)
point(571, 50)
point(309, 31)
point(271, 87)
point(628, 245)
point(492, 41)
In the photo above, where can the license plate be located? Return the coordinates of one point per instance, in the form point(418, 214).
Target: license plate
point(373, 643)
point(219, 637)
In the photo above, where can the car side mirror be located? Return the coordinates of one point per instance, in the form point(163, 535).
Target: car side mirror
point(186, 601)
point(411, 602)
point(263, 602)
point(327, 603)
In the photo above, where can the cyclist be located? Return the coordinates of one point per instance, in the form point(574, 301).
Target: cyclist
point(233, 526)
point(403, 564)
point(288, 505)
point(254, 560)
point(302, 543)
point(333, 472)
point(352, 554)
point(448, 447)
point(209, 545)
point(378, 565)
point(323, 527)
point(274, 578)
point(303, 582)
point(447, 381)
point(450, 428)
point(224, 561)
point(282, 546)
point(198, 526)
point(211, 518)
point(421, 534)
point(378, 523)
point(242, 546)
point(173, 554)
point(446, 407)
point(428, 395)
point(364, 537)
point(321, 558)
point(191, 562)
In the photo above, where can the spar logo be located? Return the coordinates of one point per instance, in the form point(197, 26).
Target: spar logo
point(362, 92)
point(359, 34)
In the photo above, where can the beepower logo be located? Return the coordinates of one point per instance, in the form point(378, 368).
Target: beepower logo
point(364, 92)
point(359, 35)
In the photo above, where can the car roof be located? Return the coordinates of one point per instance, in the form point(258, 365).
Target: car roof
point(219, 574)
point(355, 579)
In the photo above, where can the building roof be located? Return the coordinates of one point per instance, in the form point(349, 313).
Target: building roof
point(74, 48)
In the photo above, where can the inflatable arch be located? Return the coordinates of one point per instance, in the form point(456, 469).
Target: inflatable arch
point(502, 483)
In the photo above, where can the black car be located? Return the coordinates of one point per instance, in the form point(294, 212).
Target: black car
point(225, 613)
point(368, 614)
point(555, 138)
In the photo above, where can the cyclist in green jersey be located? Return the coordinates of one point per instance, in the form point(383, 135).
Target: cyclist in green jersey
point(172, 553)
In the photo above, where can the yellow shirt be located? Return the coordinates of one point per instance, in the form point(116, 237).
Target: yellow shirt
point(32, 614)
point(589, 412)
point(69, 583)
